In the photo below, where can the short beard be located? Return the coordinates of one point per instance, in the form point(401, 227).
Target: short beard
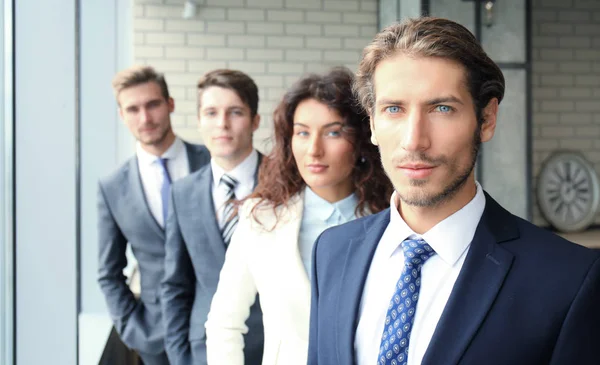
point(159, 140)
point(450, 190)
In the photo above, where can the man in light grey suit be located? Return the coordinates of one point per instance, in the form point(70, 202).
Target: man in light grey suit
point(132, 206)
point(202, 219)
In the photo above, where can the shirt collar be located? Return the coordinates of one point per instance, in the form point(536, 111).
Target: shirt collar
point(243, 173)
point(450, 237)
point(323, 210)
point(146, 158)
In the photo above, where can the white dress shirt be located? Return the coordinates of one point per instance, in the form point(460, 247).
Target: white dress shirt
point(151, 173)
point(243, 173)
point(318, 215)
point(451, 239)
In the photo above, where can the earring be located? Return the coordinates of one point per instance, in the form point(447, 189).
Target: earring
point(363, 159)
point(373, 140)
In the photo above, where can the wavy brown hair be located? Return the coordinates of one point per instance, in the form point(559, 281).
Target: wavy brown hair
point(279, 178)
point(235, 80)
point(137, 75)
point(432, 37)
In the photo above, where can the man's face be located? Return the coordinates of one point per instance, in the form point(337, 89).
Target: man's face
point(146, 112)
point(425, 125)
point(226, 124)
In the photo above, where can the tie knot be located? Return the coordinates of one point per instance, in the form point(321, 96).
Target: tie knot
point(163, 164)
point(229, 181)
point(162, 161)
point(416, 252)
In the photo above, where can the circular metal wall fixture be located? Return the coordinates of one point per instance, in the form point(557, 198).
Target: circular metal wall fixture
point(568, 192)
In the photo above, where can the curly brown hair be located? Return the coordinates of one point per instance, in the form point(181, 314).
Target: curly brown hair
point(279, 178)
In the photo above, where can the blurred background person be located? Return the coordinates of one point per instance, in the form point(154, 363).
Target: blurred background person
point(203, 217)
point(132, 208)
point(322, 171)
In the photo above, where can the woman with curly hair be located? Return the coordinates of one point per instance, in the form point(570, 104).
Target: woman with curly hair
point(322, 171)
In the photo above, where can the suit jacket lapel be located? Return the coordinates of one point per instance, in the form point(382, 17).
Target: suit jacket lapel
point(203, 197)
point(286, 236)
point(196, 158)
point(358, 261)
point(476, 287)
point(133, 191)
point(260, 158)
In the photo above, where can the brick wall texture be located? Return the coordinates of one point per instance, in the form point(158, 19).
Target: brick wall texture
point(566, 81)
point(274, 41)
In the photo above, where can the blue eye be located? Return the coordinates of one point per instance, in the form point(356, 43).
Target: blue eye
point(334, 133)
point(302, 133)
point(443, 108)
point(392, 109)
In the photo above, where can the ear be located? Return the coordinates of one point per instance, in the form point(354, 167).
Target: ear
point(171, 104)
point(255, 122)
point(121, 113)
point(372, 125)
point(490, 115)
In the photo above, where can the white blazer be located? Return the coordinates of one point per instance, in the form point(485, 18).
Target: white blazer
point(268, 263)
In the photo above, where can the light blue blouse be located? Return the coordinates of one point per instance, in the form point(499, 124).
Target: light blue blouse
point(318, 215)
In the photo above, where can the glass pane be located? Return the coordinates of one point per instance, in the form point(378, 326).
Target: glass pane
point(504, 39)
point(504, 169)
point(106, 47)
point(462, 12)
point(410, 8)
point(6, 183)
point(388, 12)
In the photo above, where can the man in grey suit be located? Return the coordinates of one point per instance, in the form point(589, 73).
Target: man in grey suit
point(132, 207)
point(202, 219)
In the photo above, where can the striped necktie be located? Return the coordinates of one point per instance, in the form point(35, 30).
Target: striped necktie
point(228, 218)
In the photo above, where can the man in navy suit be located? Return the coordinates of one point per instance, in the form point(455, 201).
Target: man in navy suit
point(446, 275)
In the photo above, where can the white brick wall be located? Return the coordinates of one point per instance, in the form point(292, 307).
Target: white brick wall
point(566, 81)
point(274, 41)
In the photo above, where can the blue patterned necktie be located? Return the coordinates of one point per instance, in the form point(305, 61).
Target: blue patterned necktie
point(165, 188)
point(229, 221)
point(401, 311)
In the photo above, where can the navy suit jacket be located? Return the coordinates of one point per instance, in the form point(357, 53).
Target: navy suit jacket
point(523, 296)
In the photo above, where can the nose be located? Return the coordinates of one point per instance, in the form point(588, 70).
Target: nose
point(315, 146)
point(416, 133)
point(145, 115)
point(222, 121)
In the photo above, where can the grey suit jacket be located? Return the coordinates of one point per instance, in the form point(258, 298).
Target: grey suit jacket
point(194, 258)
point(124, 217)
